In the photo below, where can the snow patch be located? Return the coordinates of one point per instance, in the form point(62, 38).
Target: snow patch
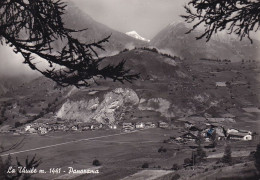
point(135, 35)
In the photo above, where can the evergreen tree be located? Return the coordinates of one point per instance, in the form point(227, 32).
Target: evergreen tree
point(200, 154)
point(2, 169)
point(227, 158)
point(257, 157)
point(238, 16)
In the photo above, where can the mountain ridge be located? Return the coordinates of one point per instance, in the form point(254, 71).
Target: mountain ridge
point(174, 38)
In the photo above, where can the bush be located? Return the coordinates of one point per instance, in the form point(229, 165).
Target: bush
point(145, 165)
point(188, 161)
point(17, 124)
point(257, 157)
point(227, 155)
point(176, 177)
point(162, 149)
point(175, 167)
point(96, 163)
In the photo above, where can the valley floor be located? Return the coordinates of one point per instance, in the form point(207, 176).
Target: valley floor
point(121, 154)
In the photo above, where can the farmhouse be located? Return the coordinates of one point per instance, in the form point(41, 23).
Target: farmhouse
point(149, 125)
point(128, 126)
point(113, 126)
point(240, 136)
point(232, 130)
point(125, 125)
point(96, 126)
point(221, 133)
point(163, 125)
point(42, 130)
point(27, 127)
point(188, 125)
point(189, 136)
point(85, 128)
point(139, 125)
point(32, 131)
point(74, 128)
point(221, 84)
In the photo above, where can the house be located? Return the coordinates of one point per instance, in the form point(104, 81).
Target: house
point(32, 131)
point(210, 132)
point(221, 133)
point(139, 125)
point(189, 136)
point(96, 126)
point(149, 125)
point(232, 130)
point(245, 131)
point(240, 136)
point(43, 130)
point(27, 127)
point(221, 84)
point(85, 128)
point(188, 125)
point(74, 128)
point(163, 125)
point(61, 127)
point(126, 125)
point(113, 126)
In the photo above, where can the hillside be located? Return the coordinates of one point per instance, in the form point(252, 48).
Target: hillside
point(164, 91)
point(174, 39)
point(168, 89)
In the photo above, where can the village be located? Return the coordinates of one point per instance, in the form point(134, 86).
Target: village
point(211, 129)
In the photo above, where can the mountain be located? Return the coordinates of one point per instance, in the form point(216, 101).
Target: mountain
point(10, 83)
point(135, 35)
point(173, 38)
point(160, 93)
point(76, 19)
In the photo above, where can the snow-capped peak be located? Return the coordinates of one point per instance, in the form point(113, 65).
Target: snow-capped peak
point(134, 34)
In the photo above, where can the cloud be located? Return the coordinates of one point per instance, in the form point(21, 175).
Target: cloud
point(11, 64)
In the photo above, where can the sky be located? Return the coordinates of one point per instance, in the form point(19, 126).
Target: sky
point(146, 17)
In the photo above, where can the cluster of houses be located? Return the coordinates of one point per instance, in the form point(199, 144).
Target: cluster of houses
point(44, 128)
point(130, 126)
point(212, 132)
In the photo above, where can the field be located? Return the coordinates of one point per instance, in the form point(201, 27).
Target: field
point(127, 151)
point(120, 154)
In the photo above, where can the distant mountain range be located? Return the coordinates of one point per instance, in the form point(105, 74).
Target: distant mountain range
point(76, 19)
point(174, 39)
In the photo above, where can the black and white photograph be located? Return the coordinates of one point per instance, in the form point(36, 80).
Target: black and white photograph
point(129, 89)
